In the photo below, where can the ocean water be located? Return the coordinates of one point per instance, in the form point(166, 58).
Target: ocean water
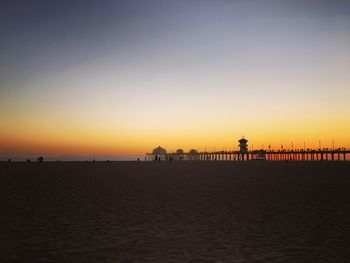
point(74, 158)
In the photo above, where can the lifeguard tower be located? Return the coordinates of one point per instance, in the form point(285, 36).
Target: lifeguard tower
point(243, 149)
point(243, 146)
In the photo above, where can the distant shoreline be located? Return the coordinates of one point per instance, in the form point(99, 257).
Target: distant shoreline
point(72, 158)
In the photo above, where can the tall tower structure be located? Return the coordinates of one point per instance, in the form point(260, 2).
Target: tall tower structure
point(243, 146)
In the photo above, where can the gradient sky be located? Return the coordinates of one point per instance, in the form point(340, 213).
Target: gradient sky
point(122, 77)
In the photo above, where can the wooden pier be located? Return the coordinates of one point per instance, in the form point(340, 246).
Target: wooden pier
point(273, 155)
point(244, 154)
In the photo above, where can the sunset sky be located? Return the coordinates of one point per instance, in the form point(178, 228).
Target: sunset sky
point(122, 77)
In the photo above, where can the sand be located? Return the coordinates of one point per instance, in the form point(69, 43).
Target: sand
point(175, 212)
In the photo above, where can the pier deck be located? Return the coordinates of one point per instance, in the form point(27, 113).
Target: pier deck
point(273, 155)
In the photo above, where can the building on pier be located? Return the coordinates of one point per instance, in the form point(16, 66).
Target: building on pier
point(179, 154)
point(193, 154)
point(159, 153)
point(243, 146)
point(243, 149)
point(179, 151)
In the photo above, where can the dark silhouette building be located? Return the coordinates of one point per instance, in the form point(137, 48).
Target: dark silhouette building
point(243, 146)
point(159, 153)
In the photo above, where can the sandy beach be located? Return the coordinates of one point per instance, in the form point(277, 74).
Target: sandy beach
point(175, 212)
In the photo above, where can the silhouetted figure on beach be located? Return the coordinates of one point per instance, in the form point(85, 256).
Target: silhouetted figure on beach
point(28, 160)
point(40, 159)
point(9, 160)
point(138, 159)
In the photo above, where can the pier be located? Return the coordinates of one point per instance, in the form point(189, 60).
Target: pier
point(244, 154)
point(280, 155)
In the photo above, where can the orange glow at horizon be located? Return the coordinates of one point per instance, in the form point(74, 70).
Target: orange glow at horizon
point(67, 139)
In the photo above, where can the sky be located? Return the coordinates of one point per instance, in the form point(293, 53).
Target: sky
point(122, 77)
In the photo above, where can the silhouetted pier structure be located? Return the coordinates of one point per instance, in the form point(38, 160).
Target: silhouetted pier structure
point(340, 154)
point(280, 155)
